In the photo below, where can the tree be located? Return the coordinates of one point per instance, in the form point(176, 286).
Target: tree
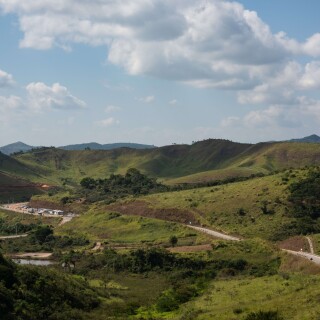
point(42, 232)
point(173, 241)
point(88, 183)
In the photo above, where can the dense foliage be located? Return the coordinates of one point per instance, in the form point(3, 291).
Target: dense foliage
point(42, 238)
point(9, 228)
point(305, 200)
point(42, 293)
point(118, 186)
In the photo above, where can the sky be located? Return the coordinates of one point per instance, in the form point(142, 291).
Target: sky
point(158, 71)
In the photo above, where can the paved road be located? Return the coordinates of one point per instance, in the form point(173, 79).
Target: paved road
point(312, 257)
point(310, 245)
point(215, 233)
point(14, 237)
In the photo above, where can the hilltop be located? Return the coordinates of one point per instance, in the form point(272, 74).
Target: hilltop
point(310, 139)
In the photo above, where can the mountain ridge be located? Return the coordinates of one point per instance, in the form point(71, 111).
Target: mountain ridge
point(23, 147)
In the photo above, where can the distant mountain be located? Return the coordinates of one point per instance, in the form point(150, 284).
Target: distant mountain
point(310, 139)
point(15, 147)
point(110, 146)
point(20, 146)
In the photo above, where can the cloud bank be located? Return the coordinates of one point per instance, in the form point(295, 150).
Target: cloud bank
point(208, 43)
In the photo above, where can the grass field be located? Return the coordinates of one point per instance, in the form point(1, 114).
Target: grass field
point(121, 229)
point(295, 296)
point(316, 243)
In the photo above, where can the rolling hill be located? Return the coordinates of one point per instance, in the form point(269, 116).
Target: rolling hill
point(202, 161)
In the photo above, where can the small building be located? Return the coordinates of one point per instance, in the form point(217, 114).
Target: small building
point(58, 212)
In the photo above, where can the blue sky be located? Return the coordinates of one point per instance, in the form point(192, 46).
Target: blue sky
point(158, 72)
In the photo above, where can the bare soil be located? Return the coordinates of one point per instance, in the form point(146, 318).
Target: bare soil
point(203, 247)
point(141, 208)
point(295, 244)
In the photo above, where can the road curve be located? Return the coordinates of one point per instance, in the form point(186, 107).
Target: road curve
point(14, 237)
point(215, 233)
point(312, 257)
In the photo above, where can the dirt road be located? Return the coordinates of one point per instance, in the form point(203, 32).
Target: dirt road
point(215, 234)
point(310, 245)
point(14, 237)
point(310, 256)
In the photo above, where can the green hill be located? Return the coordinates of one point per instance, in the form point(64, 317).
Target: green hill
point(202, 161)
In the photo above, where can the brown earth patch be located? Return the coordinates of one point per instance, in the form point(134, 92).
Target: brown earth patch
point(295, 244)
point(141, 208)
point(203, 247)
point(292, 263)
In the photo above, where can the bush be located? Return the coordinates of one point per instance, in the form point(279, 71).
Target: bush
point(241, 212)
point(264, 315)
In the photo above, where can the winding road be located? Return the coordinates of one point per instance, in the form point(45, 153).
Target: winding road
point(310, 256)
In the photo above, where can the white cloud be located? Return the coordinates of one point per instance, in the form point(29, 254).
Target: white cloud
point(147, 99)
point(107, 122)
point(278, 117)
point(43, 97)
point(205, 43)
point(173, 102)
point(6, 79)
point(312, 45)
point(10, 107)
point(311, 77)
point(111, 108)
point(285, 86)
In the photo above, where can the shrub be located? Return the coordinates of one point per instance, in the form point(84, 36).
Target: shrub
point(264, 315)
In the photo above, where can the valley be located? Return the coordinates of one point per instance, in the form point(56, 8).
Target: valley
point(166, 233)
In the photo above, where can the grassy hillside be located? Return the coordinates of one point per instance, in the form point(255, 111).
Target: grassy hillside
point(236, 299)
point(257, 207)
point(15, 189)
point(172, 161)
point(99, 225)
point(254, 208)
point(17, 170)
